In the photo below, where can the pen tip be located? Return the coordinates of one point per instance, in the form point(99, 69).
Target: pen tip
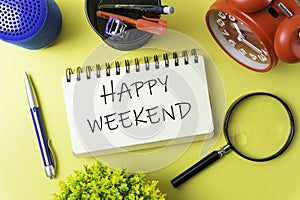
point(25, 75)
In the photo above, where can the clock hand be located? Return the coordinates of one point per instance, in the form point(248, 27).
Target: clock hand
point(242, 38)
point(238, 30)
point(249, 44)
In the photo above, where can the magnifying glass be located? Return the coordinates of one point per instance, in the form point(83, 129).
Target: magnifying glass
point(258, 127)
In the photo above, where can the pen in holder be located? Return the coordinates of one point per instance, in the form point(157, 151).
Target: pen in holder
point(30, 24)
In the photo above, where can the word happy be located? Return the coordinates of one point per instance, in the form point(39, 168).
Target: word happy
point(136, 86)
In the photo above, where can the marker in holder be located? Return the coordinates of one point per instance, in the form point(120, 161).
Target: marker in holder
point(30, 24)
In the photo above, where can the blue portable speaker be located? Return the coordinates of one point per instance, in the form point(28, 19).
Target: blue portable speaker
point(32, 24)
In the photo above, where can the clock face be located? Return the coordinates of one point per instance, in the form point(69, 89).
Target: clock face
point(238, 40)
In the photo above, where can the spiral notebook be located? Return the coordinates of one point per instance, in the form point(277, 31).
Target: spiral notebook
point(146, 102)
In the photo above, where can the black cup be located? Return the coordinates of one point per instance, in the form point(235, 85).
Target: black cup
point(134, 38)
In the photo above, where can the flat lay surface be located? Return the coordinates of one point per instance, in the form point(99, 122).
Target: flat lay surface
point(22, 172)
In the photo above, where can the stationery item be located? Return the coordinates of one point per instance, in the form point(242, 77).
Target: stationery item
point(242, 136)
point(47, 154)
point(151, 25)
point(30, 24)
point(144, 9)
point(148, 102)
point(115, 27)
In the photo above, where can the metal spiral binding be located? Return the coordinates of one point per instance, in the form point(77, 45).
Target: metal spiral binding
point(88, 72)
point(127, 65)
point(147, 64)
point(79, 71)
point(166, 59)
point(137, 64)
point(117, 63)
point(156, 61)
point(107, 69)
point(194, 53)
point(175, 56)
point(98, 71)
point(69, 72)
point(185, 57)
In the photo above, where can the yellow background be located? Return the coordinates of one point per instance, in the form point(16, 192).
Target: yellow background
point(21, 171)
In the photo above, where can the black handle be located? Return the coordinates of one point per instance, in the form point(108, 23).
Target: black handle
point(187, 174)
point(200, 165)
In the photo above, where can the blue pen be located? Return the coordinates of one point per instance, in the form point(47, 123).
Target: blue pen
point(45, 149)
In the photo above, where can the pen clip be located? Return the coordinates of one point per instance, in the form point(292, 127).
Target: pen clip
point(52, 155)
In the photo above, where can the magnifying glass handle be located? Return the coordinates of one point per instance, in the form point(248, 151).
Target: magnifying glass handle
point(200, 165)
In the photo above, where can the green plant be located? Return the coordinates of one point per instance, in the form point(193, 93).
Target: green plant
point(98, 182)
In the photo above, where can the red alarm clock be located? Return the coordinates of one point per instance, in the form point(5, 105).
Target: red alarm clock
point(257, 33)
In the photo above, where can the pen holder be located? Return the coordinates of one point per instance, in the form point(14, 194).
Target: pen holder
point(133, 39)
point(30, 24)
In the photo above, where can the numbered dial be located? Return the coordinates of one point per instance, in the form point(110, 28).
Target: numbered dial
point(238, 40)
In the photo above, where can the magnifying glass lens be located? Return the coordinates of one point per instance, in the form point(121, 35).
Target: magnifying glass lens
point(259, 127)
